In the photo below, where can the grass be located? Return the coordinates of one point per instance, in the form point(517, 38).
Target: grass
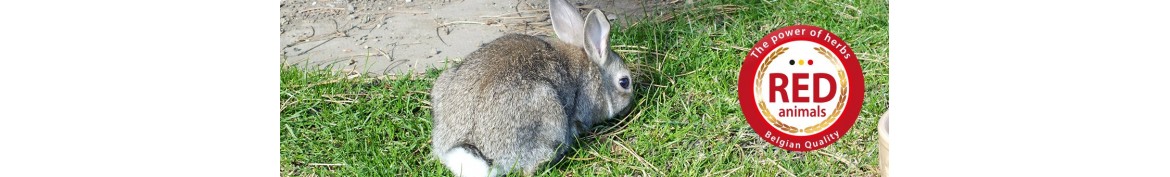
point(686, 122)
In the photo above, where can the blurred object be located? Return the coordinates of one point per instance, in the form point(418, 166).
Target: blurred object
point(883, 143)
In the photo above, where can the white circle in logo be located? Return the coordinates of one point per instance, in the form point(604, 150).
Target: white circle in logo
point(801, 87)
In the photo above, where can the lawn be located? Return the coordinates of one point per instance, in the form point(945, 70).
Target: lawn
point(686, 120)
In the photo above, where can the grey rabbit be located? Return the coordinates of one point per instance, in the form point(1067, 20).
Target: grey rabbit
point(520, 101)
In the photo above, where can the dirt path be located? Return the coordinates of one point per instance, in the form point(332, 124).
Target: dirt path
point(393, 36)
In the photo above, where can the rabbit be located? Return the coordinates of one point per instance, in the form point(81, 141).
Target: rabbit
point(520, 101)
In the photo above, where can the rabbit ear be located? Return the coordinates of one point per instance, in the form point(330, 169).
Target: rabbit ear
point(566, 22)
point(597, 36)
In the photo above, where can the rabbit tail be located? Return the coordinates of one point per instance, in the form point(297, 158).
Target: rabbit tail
point(467, 161)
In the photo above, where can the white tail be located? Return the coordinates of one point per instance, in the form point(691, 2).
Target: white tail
point(463, 163)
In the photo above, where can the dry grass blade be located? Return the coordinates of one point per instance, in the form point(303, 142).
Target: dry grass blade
point(849, 7)
point(539, 11)
point(292, 99)
point(384, 54)
point(629, 46)
point(643, 51)
point(580, 159)
point(509, 18)
point(393, 11)
point(846, 162)
point(462, 22)
point(288, 102)
point(344, 95)
point(653, 85)
point(872, 58)
point(326, 164)
point(408, 12)
point(321, 8)
point(339, 98)
point(608, 159)
point(444, 25)
point(331, 81)
point(690, 72)
point(728, 173)
point(725, 44)
point(728, 8)
point(339, 102)
point(639, 157)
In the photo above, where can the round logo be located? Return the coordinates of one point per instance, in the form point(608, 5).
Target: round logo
point(801, 88)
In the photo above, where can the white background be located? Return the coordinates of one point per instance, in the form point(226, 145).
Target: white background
point(979, 88)
point(1019, 88)
point(139, 88)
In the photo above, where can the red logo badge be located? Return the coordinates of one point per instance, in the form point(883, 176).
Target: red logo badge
point(801, 87)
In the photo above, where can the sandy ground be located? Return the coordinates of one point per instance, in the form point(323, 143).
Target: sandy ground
point(379, 37)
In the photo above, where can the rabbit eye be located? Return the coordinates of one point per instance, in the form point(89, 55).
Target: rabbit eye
point(624, 82)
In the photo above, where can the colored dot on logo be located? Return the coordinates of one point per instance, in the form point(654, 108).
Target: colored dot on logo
point(791, 62)
point(810, 62)
point(801, 62)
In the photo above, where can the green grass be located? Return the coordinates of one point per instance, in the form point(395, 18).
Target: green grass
point(686, 122)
